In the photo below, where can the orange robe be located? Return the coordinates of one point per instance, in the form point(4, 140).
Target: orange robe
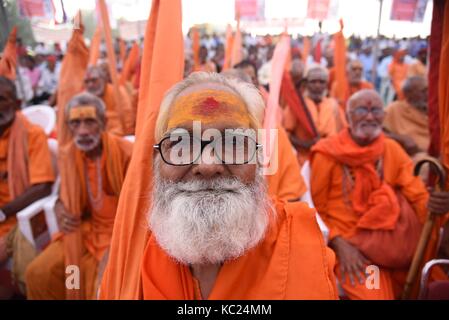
point(325, 117)
point(287, 182)
point(404, 119)
point(282, 266)
point(114, 119)
point(25, 160)
point(334, 205)
point(398, 73)
point(349, 92)
point(45, 276)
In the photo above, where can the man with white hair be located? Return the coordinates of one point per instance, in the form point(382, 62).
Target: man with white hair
point(97, 162)
point(96, 83)
point(213, 231)
point(324, 113)
point(363, 187)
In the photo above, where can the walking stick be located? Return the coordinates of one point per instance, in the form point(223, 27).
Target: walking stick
point(427, 228)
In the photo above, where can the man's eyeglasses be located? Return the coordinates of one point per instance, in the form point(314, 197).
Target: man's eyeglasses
point(185, 149)
point(364, 111)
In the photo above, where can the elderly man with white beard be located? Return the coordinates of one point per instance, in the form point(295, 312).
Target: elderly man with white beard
point(95, 164)
point(363, 186)
point(213, 231)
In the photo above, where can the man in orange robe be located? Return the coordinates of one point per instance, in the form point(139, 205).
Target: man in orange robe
point(354, 74)
point(354, 174)
point(120, 124)
point(26, 172)
point(407, 121)
point(324, 113)
point(243, 235)
point(398, 70)
point(99, 161)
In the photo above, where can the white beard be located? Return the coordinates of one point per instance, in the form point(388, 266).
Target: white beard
point(201, 222)
point(95, 141)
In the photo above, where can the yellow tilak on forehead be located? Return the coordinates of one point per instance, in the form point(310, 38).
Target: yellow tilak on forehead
point(82, 112)
point(209, 106)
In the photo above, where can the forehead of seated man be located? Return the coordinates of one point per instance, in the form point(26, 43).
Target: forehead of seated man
point(365, 98)
point(214, 105)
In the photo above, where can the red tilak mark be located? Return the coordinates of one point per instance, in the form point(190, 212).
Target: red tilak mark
point(209, 105)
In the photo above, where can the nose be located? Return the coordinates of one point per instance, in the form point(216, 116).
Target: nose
point(83, 129)
point(210, 166)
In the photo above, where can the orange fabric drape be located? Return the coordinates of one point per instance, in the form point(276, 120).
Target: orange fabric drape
point(71, 78)
point(236, 54)
point(18, 179)
point(228, 48)
point(372, 198)
point(112, 63)
point(443, 91)
point(306, 50)
point(340, 65)
point(8, 62)
point(163, 42)
point(290, 96)
point(94, 50)
point(122, 53)
point(196, 48)
point(130, 65)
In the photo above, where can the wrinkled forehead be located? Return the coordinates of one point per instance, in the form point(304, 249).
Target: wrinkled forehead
point(211, 105)
point(367, 99)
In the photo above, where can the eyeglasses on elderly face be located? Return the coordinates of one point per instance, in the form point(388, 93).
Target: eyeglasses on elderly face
point(363, 111)
point(183, 149)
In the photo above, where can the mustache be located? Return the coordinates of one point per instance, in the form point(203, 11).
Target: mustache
point(231, 184)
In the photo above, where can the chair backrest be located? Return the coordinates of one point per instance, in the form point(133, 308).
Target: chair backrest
point(41, 115)
point(130, 138)
point(433, 291)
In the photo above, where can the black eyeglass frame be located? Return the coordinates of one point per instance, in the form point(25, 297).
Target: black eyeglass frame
point(203, 145)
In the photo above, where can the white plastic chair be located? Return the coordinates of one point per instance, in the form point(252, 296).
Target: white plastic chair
point(130, 138)
point(41, 115)
point(45, 205)
point(307, 198)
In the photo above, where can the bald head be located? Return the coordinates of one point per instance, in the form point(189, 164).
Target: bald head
point(416, 92)
point(365, 115)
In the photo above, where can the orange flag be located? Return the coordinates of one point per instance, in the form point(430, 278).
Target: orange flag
point(163, 42)
point(196, 48)
point(8, 61)
point(94, 52)
point(271, 120)
point(122, 45)
point(340, 64)
point(236, 56)
point(306, 50)
point(129, 68)
point(228, 48)
point(112, 62)
point(71, 78)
